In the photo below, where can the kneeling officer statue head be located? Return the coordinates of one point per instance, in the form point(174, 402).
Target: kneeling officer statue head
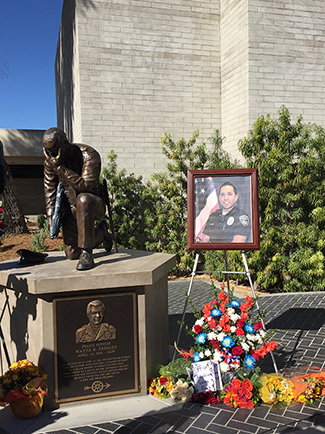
point(75, 167)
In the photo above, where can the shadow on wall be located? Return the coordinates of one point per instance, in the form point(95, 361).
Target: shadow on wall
point(18, 318)
point(64, 64)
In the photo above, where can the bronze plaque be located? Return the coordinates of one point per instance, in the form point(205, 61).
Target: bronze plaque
point(96, 347)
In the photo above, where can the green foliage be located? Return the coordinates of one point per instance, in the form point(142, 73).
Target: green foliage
point(154, 215)
point(42, 222)
point(38, 241)
point(168, 225)
point(129, 198)
point(291, 162)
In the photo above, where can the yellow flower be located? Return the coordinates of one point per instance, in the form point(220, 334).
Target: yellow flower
point(169, 386)
point(302, 398)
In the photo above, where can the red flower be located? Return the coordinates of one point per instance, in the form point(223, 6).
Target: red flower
point(255, 354)
point(163, 380)
point(239, 332)
point(214, 302)
point(206, 397)
point(212, 324)
point(258, 325)
point(214, 343)
point(150, 382)
point(198, 328)
point(237, 350)
point(222, 296)
point(1, 210)
point(241, 323)
point(226, 328)
point(2, 225)
point(250, 404)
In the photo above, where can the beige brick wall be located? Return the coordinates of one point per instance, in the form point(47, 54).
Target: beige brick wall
point(145, 68)
point(128, 70)
point(234, 72)
point(286, 60)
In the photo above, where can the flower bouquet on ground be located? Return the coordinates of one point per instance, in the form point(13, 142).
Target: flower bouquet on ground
point(308, 384)
point(275, 389)
point(23, 387)
point(230, 332)
point(172, 382)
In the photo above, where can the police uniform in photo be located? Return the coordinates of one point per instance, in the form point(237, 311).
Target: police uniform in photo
point(221, 228)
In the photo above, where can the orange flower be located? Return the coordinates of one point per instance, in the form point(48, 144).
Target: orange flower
point(223, 320)
point(207, 310)
point(236, 382)
point(248, 385)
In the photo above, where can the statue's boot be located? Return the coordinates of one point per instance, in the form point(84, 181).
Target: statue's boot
point(86, 260)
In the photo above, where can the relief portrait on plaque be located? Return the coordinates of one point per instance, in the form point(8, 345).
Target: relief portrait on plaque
point(96, 330)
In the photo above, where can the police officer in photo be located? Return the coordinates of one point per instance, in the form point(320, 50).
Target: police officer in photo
point(228, 224)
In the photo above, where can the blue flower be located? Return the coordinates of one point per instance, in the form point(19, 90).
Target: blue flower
point(216, 312)
point(201, 338)
point(249, 362)
point(228, 342)
point(249, 328)
point(196, 357)
point(235, 303)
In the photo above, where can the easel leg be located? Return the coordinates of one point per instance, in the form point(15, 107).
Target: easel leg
point(257, 306)
point(185, 305)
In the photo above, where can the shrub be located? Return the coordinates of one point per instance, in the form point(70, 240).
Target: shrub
point(38, 241)
point(291, 162)
point(168, 226)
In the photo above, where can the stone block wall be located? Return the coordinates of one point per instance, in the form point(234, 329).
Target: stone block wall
point(286, 59)
point(234, 37)
point(144, 68)
point(128, 70)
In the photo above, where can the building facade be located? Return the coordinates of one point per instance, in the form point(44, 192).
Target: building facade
point(128, 70)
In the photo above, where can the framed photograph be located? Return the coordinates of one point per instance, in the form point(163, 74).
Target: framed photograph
point(222, 209)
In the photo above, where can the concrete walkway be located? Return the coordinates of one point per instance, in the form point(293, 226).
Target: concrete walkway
point(299, 319)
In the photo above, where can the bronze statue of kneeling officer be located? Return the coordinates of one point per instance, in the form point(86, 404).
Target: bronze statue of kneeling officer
point(75, 167)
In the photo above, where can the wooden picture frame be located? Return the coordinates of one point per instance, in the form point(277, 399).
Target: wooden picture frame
point(223, 209)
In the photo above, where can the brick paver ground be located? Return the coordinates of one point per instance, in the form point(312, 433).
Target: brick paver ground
point(300, 323)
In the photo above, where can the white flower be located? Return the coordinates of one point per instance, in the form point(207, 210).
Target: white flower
point(233, 329)
point(262, 333)
point(212, 336)
point(199, 322)
point(217, 356)
point(231, 311)
point(224, 367)
point(250, 337)
point(218, 328)
point(209, 319)
point(259, 340)
point(207, 353)
point(201, 354)
point(245, 347)
point(234, 318)
point(221, 336)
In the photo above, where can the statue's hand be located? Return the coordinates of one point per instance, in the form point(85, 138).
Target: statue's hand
point(55, 161)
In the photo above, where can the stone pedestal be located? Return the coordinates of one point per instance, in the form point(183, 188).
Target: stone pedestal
point(43, 314)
